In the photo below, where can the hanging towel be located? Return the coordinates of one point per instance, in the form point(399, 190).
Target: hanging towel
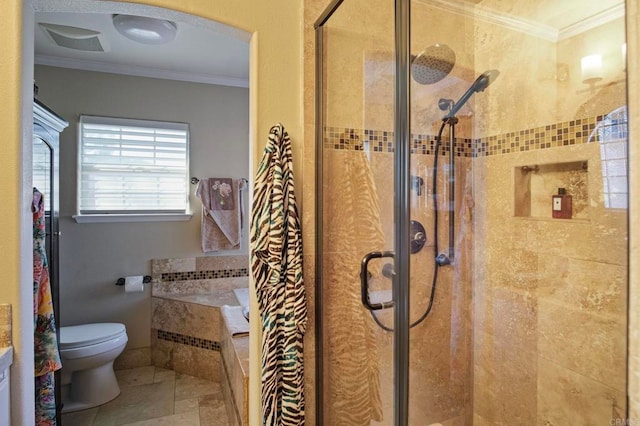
point(276, 265)
point(46, 356)
point(221, 227)
point(235, 321)
point(356, 229)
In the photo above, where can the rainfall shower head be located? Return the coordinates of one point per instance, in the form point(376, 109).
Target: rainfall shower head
point(433, 64)
point(481, 83)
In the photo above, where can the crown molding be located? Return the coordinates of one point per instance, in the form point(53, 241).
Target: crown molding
point(527, 26)
point(466, 8)
point(138, 71)
point(596, 20)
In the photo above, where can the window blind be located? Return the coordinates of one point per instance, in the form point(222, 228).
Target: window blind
point(612, 134)
point(132, 166)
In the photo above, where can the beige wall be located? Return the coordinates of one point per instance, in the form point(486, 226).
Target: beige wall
point(15, 215)
point(275, 96)
point(94, 256)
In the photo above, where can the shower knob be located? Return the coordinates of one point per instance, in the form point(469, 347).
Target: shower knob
point(417, 236)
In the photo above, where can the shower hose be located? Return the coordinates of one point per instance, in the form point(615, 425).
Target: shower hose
point(436, 265)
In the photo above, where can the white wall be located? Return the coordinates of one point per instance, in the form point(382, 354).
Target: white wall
point(94, 256)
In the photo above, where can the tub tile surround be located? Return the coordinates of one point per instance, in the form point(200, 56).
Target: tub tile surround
point(235, 382)
point(194, 287)
point(189, 334)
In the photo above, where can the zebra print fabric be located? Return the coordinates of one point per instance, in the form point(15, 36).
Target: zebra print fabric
point(276, 264)
point(353, 349)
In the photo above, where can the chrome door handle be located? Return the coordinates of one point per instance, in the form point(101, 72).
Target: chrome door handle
point(364, 280)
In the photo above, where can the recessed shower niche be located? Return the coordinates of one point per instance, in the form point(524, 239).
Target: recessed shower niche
point(536, 184)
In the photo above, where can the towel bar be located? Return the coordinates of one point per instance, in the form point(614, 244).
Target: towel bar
point(146, 280)
point(195, 180)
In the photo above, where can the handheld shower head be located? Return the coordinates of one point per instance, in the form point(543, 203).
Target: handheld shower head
point(481, 83)
point(433, 64)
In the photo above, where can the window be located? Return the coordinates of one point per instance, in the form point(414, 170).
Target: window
point(611, 132)
point(132, 167)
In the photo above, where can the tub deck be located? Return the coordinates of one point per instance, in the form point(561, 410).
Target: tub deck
point(214, 299)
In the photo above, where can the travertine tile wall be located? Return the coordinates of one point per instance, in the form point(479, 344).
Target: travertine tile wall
point(513, 341)
point(633, 47)
point(549, 295)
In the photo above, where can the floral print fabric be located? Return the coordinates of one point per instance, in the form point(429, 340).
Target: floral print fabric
point(45, 400)
point(46, 355)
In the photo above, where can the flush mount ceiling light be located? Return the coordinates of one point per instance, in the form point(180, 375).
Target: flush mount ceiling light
point(145, 30)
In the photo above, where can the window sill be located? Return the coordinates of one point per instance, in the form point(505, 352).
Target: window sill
point(121, 218)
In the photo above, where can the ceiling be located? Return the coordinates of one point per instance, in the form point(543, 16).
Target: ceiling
point(198, 53)
point(557, 14)
point(209, 52)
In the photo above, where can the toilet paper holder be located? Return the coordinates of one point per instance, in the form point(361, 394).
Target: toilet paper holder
point(145, 280)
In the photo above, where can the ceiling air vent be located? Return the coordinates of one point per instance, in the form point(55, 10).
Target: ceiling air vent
point(73, 37)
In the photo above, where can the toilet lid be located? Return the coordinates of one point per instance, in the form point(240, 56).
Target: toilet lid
point(89, 334)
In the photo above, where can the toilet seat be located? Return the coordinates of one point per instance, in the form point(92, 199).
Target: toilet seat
point(87, 340)
point(77, 336)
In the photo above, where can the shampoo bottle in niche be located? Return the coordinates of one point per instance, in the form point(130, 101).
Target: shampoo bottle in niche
point(561, 205)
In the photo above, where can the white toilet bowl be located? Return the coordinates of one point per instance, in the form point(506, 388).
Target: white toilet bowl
point(87, 353)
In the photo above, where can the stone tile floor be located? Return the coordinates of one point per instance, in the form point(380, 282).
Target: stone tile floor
point(153, 396)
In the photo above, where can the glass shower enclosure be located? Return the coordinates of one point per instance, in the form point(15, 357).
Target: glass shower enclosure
point(471, 213)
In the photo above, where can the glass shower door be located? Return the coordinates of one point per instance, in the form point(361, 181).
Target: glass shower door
point(508, 164)
point(356, 214)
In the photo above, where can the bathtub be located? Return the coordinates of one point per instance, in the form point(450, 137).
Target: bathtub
point(188, 331)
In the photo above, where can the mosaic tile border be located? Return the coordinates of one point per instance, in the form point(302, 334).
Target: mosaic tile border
point(555, 135)
point(204, 275)
point(382, 141)
point(188, 340)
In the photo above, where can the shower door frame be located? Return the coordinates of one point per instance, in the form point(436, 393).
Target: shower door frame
point(402, 209)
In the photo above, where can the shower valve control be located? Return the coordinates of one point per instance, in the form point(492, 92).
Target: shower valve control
point(417, 236)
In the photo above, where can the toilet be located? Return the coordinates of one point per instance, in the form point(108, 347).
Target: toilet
point(87, 353)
